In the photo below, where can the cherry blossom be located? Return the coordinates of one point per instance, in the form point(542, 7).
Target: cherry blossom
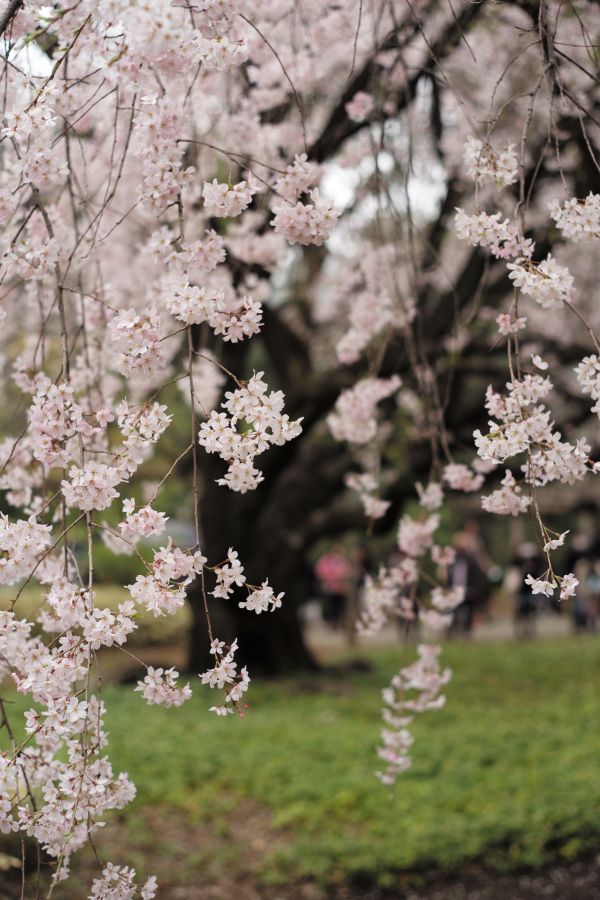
point(414, 689)
point(360, 106)
point(22, 544)
point(430, 497)
point(507, 500)
point(483, 163)
point(117, 883)
point(225, 200)
point(387, 595)
point(547, 282)
point(224, 676)
point(160, 687)
point(91, 487)
point(555, 542)
point(578, 219)
point(262, 599)
point(354, 418)
point(541, 585)
point(588, 377)
point(298, 179)
point(416, 537)
point(143, 523)
point(269, 426)
point(365, 485)
point(501, 238)
point(309, 223)
point(568, 586)
point(507, 325)
point(229, 574)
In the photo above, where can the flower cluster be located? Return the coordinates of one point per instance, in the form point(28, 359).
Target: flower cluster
point(354, 417)
point(264, 425)
point(233, 318)
point(578, 219)
point(262, 599)
point(500, 237)
point(118, 883)
point(144, 522)
point(163, 176)
point(525, 425)
point(388, 595)
point(415, 536)
point(306, 223)
point(22, 544)
point(443, 556)
point(509, 325)
point(91, 487)
point(140, 427)
point(192, 304)
point(222, 53)
point(74, 783)
point(43, 168)
point(547, 584)
point(225, 201)
point(102, 628)
point(430, 497)
point(160, 687)
point(224, 675)
point(508, 500)
point(483, 163)
point(136, 338)
point(298, 178)
point(163, 591)
point(365, 485)
point(200, 257)
point(414, 689)
point(360, 107)
point(228, 574)
point(33, 257)
point(588, 378)
point(460, 477)
point(547, 282)
point(56, 424)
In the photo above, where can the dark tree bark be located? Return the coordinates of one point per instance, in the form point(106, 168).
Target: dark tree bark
point(261, 531)
point(8, 13)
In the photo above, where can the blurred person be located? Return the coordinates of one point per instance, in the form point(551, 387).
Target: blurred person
point(584, 563)
point(528, 559)
point(334, 571)
point(470, 572)
point(593, 587)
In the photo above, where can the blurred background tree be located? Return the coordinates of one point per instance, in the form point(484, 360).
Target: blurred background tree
point(397, 174)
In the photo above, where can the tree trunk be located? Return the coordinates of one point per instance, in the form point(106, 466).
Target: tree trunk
point(275, 647)
point(270, 643)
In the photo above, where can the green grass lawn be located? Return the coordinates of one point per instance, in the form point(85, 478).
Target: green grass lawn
point(506, 773)
point(509, 769)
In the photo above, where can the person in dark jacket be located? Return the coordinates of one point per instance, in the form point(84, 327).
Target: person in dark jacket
point(469, 571)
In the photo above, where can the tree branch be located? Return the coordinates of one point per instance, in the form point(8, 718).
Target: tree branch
point(12, 8)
